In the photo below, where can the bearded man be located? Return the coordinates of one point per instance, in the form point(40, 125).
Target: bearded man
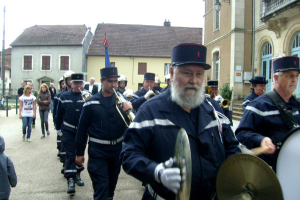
point(150, 140)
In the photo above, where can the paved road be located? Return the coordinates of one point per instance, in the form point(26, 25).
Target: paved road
point(38, 168)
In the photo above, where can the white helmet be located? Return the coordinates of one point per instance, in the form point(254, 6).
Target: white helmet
point(67, 75)
point(122, 78)
point(157, 79)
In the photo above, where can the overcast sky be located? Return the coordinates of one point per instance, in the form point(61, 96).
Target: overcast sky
point(21, 14)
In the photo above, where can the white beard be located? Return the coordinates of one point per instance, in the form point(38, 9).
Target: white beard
point(189, 98)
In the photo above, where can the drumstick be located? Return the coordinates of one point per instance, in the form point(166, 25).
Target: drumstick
point(259, 150)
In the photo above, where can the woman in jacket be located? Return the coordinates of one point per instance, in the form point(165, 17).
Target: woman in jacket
point(44, 100)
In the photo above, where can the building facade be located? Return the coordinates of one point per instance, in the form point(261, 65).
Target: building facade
point(42, 54)
point(137, 49)
point(277, 34)
point(227, 36)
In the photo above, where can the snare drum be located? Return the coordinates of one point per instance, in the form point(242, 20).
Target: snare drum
point(288, 165)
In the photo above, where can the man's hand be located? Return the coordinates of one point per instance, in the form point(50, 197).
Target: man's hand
point(147, 95)
point(167, 175)
point(126, 106)
point(80, 160)
point(267, 142)
point(20, 116)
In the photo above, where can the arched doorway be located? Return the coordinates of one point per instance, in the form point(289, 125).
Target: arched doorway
point(295, 51)
point(266, 66)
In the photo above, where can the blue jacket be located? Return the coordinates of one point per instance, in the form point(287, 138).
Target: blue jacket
point(68, 111)
point(150, 140)
point(248, 99)
point(99, 121)
point(138, 98)
point(8, 175)
point(55, 102)
point(262, 119)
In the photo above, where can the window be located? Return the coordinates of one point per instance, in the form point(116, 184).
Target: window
point(266, 68)
point(142, 68)
point(167, 68)
point(46, 62)
point(113, 64)
point(64, 63)
point(217, 65)
point(217, 20)
point(27, 65)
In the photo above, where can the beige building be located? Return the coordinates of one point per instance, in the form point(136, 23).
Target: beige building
point(137, 49)
point(227, 36)
point(277, 34)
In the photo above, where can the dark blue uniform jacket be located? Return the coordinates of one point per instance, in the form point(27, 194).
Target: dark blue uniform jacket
point(248, 99)
point(68, 111)
point(99, 121)
point(55, 103)
point(138, 98)
point(262, 119)
point(150, 140)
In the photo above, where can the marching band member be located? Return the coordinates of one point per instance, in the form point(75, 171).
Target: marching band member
point(128, 94)
point(258, 89)
point(68, 112)
point(149, 142)
point(102, 122)
point(214, 87)
point(122, 83)
point(269, 117)
point(146, 92)
point(66, 79)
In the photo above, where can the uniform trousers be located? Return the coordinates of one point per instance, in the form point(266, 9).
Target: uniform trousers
point(104, 168)
point(71, 168)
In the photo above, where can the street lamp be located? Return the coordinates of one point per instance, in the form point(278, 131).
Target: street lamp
point(218, 4)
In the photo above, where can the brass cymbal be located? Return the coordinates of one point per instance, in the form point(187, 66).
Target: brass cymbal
point(184, 162)
point(246, 177)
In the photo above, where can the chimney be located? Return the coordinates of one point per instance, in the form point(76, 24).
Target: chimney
point(167, 23)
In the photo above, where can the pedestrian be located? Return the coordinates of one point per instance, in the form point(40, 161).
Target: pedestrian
point(101, 122)
point(52, 92)
point(68, 112)
point(44, 101)
point(268, 118)
point(92, 88)
point(258, 88)
point(27, 111)
point(61, 84)
point(149, 143)
point(34, 92)
point(21, 89)
point(8, 177)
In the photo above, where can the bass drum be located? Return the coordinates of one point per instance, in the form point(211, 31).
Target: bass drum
point(288, 165)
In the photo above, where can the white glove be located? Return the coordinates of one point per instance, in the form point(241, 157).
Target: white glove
point(169, 177)
point(59, 133)
point(150, 92)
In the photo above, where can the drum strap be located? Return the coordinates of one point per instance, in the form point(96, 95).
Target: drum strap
point(286, 116)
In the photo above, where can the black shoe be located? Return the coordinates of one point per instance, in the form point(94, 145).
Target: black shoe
point(79, 182)
point(58, 154)
point(43, 136)
point(71, 186)
point(62, 170)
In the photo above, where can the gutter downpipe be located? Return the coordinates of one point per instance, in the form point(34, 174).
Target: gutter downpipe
point(253, 37)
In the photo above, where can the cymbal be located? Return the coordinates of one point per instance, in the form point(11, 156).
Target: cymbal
point(246, 177)
point(184, 163)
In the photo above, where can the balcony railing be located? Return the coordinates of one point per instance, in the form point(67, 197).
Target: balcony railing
point(274, 7)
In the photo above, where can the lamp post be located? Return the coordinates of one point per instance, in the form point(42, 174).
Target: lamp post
point(218, 4)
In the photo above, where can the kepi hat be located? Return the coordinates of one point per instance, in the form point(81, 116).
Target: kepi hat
point(212, 83)
point(259, 80)
point(286, 63)
point(189, 54)
point(149, 76)
point(76, 77)
point(109, 72)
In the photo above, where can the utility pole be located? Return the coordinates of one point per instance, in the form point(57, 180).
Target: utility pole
point(3, 56)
